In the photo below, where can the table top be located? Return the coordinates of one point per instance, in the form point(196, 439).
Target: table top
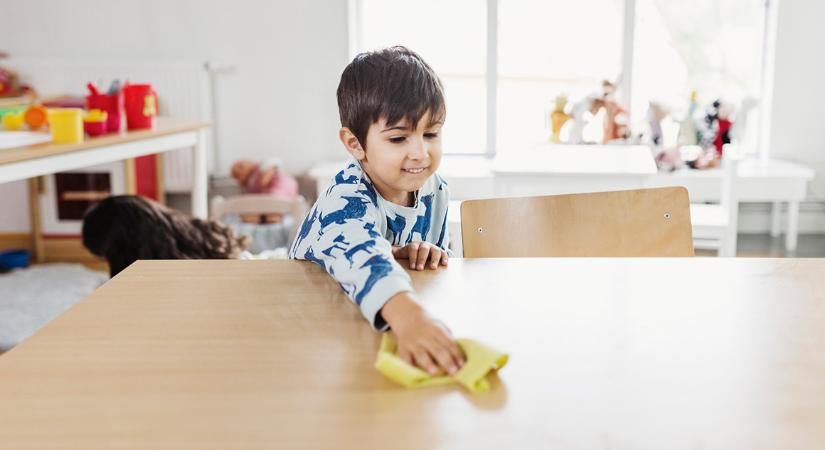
point(559, 159)
point(679, 353)
point(163, 127)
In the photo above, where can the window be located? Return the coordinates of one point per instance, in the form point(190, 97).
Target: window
point(451, 37)
point(545, 48)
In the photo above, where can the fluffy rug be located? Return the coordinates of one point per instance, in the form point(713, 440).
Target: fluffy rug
point(32, 297)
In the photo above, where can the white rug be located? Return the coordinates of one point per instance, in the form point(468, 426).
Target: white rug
point(32, 297)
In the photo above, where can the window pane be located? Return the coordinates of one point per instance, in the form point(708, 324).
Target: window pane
point(547, 48)
point(451, 36)
point(711, 46)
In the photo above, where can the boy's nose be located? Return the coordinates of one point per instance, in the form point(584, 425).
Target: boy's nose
point(419, 149)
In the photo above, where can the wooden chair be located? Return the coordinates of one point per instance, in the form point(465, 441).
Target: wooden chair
point(642, 222)
point(260, 204)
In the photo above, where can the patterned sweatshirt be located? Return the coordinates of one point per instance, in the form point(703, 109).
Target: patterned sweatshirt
point(351, 229)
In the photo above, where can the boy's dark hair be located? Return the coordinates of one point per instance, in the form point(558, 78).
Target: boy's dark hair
point(126, 228)
point(394, 83)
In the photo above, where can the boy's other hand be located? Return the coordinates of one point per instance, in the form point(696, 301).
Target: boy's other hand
point(421, 254)
point(421, 341)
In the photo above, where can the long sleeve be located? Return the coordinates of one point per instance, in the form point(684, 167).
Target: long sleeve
point(342, 235)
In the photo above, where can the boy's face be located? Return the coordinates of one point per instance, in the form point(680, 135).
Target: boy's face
point(397, 159)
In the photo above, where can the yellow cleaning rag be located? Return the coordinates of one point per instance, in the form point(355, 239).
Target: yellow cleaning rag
point(479, 361)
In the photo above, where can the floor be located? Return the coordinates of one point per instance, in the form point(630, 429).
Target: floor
point(763, 245)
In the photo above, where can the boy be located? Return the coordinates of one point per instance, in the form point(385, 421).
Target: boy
point(388, 203)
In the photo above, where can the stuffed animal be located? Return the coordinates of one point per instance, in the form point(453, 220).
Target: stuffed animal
point(264, 177)
point(557, 118)
point(578, 113)
point(687, 128)
point(655, 114)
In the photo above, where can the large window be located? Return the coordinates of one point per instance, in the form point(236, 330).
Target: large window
point(542, 49)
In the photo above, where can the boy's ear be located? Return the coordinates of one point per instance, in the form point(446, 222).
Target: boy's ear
point(351, 143)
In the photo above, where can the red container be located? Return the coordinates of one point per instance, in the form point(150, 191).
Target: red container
point(141, 106)
point(112, 104)
point(95, 128)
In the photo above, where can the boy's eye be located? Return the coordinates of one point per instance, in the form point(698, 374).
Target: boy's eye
point(431, 135)
point(398, 139)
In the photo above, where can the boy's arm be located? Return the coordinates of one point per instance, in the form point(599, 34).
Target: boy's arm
point(341, 235)
point(344, 241)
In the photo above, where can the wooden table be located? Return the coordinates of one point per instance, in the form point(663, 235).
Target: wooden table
point(605, 353)
point(169, 134)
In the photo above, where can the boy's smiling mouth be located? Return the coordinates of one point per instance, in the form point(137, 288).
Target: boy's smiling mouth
point(415, 170)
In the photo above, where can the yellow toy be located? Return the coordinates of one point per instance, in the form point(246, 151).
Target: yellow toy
point(66, 125)
point(558, 118)
point(12, 121)
point(480, 360)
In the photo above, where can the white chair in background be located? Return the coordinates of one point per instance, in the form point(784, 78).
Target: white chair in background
point(715, 225)
point(260, 204)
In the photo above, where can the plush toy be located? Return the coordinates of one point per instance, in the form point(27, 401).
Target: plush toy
point(557, 118)
point(590, 104)
point(723, 125)
point(655, 114)
point(264, 177)
point(687, 127)
point(616, 119)
point(10, 85)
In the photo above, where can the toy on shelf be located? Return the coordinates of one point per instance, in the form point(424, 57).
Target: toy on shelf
point(616, 119)
point(111, 103)
point(10, 85)
point(655, 114)
point(95, 122)
point(12, 121)
point(66, 125)
point(141, 103)
point(264, 178)
point(558, 118)
point(36, 117)
point(578, 118)
point(687, 127)
point(723, 126)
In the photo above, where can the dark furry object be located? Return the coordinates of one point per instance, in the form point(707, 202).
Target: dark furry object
point(126, 228)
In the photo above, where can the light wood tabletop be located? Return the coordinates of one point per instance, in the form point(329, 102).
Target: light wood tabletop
point(165, 126)
point(682, 353)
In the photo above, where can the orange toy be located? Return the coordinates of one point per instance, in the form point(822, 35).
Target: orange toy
point(35, 117)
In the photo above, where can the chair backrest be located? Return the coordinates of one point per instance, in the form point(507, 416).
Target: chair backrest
point(641, 222)
point(259, 204)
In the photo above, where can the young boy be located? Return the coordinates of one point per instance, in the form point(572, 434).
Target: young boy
point(388, 203)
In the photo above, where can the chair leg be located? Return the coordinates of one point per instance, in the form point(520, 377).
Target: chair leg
point(727, 247)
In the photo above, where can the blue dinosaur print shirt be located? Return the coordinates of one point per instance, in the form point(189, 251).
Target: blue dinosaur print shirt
point(351, 229)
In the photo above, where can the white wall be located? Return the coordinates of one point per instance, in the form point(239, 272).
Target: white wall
point(288, 57)
point(798, 113)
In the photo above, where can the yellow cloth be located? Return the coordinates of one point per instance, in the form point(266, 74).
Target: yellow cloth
point(479, 361)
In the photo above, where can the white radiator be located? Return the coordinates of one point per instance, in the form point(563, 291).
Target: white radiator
point(183, 89)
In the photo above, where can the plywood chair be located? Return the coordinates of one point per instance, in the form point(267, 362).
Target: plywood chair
point(259, 204)
point(642, 222)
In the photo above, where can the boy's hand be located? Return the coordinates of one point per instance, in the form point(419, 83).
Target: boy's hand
point(421, 341)
point(419, 253)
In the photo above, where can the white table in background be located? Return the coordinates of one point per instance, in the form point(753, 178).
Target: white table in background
point(774, 181)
